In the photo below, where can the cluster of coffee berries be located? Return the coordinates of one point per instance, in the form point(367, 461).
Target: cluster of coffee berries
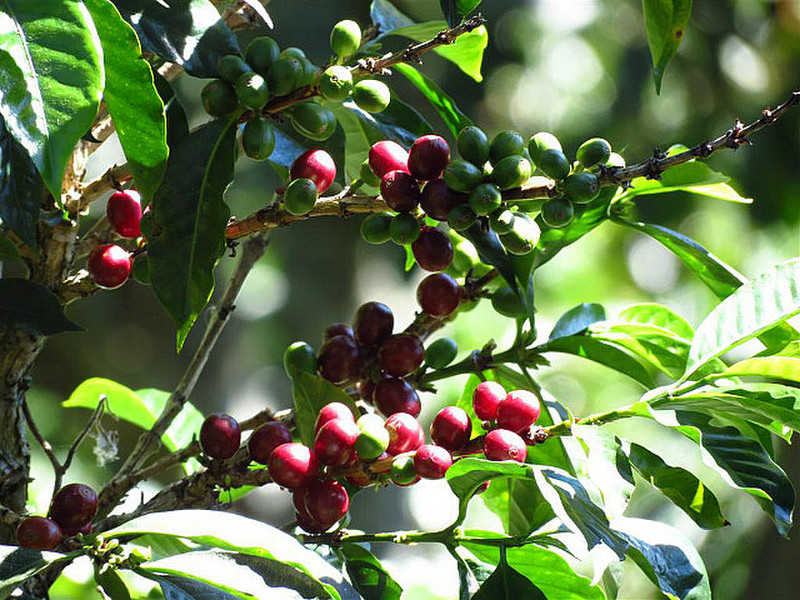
point(311, 175)
point(509, 419)
point(71, 512)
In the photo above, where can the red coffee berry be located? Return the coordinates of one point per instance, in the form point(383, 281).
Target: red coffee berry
point(333, 445)
point(302, 516)
point(326, 501)
point(220, 436)
point(109, 265)
point(518, 410)
point(485, 399)
point(394, 395)
point(502, 444)
point(385, 156)
point(405, 433)
point(366, 389)
point(73, 506)
point(291, 465)
point(373, 323)
point(438, 294)
point(428, 157)
point(339, 359)
point(433, 249)
point(337, 329)
point(437, 200)
point(332, 411)
point(400, 191)
point(451, 428)
point(432, 462)
point(316, 165)
point(38, 533)
point(124, 212)
point(401, 354)
point(266, 438)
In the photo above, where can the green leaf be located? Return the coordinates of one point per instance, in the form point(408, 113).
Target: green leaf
point(369, 577)
point(386, 16)
point(21, 189)
point(185, 230)
point(18, 564)
point(454, 11)
point(666, 22)
point(439, 99)
point(177, 123)
point(769, 367)
point(607, 467)
point(131, 98)
point(657, 315)
point(52, 74)
point(577, 320)
point(184, 588)
point(189, 33)
point(755, 307)
point(289, 145)
point(32, 307)
point(112, 583)
point(492, 252)
point(685, 490)
point(8, 251)
point(508, 584)
point(655, 346)
point(311, 393)
point(552, 240)
point(694, 176)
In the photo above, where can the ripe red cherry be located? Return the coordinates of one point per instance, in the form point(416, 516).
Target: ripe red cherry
point(333, 445)
point(337, 329)
point(109, 265)
point(485, 399)
point(385, 156)
point(220, 436)
point(326, 501)
point(438, 294)
point(394, 395)
point(73, 507)
point(316, 165)
point(400, 191)
point(401, 354)
point(332, 411)
point(339, 359)
point(124, 212)
point(502, 444)
point(518, 410)
point(38, 533)
point(405, 433)
point(366, 389)
point(433, 249)
point(373, 324)
point(432, 462)
point(451, 428)
point(266, 438)
point(438, 200)
point(428, 157)
point(291, 465)
point(302, 516)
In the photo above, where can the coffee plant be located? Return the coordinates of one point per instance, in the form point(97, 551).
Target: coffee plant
point(481, 214)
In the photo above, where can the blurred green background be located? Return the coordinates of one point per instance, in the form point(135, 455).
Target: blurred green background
point(578, 68)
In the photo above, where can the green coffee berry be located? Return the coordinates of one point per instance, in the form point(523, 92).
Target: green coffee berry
point(345, 38)
point(506, 302)
point(485, 199)
point(219, 98)
point(402, 471)
point(313, 121)
point(282, 76)
point(336, 83)
point(292, 52)
point(461, 175)
point(461, 217)
point(511, 172)
point(506, 143)
point(258, 138)
point(465, 256)
point(230, 67)
point(441, 353)
point(557, 212)
point(540, 142)
point(501, 220)
point(371, 95)
point(300, 196)
point(308, 73)
point(404, 229)
point(581, 187)
point(473, 145)
point(595, 151)
point(523, 237)
point(261, 53)
point(373, 439)
point(252, 91)
point(554, 163)
point(615, 160)
point(368, 175)
point(299, 356)
point(375, 229)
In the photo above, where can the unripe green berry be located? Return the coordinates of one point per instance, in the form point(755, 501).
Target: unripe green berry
point(540, 142)
point(462, 176)
point(300, 196)
point(371, 95)
point(506, 302)
point(299, 356)
point(308, 73)
point(292, 52)
point(252, 91)
point(313, 121)
point(461, 217)
point(465, 257)
point(261, 53)
point(554, 163)
point(473, 145)
point(523, 237)
point(403, 471)
point(368, 176)
point(581, 187)
point(485, 199)
point(258, 138)
point(345, 38)
point(219, 98)
point(231, 66)
point(441, 353)
point(511, 172)
point(557, 212)
point(374, 437)
point(595, 151)
point(375, 229)
point(404, 229)
point(506, 143)
point(336, 83)
point(501, 220)
point(282, 76)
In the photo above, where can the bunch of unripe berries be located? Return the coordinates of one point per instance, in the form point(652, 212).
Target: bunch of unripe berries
point(71, 512)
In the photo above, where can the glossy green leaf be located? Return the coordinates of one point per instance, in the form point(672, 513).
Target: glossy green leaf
point(453, 118)
point(769, 367)
point(654, 346)
point(185, 230)
point(311, 393)
point(506, 583)
point(666, 22)
point(21, 189)
point(386, 16)
point(694, 176)
point(112, 584)
point(755, 307)
point(184, 588)
point(577, 320)
point(492, 252)
point(607, 467)
point(32, 307)
point(369, 577)
point(18, 564)
point(552, 240)
point(177, 122)
point(685, 490)
point(357, 143)
point(131, 98)
point(657, 315)
point(52, 74)
point(454, 11)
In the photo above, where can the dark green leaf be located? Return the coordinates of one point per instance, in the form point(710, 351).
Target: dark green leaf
point(439, 99)
point(21, 189)
point(18, 564)
point(184, 588)
point(369, 577)
point(552, 241)
point(8, 251)
point(386, 16)
point(666, 22)
point(186, 229)
point(189, 33)
point(607, 467)
point(112, 584)
point(310, 394)
point(694, 177)
point(132, 99)
point(177, 123)
point(454, 11)
point(508, 584)
point(52, 73)
point(32, 307)
point(492, 252)
point(577, 320)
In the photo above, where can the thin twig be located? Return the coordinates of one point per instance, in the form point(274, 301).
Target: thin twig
point(96, 415)
point(46, 446)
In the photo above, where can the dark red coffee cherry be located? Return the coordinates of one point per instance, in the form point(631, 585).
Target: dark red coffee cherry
point(428, 157)
point(38, 533)
point(438, 294)
point(400, 191)
point(337, 329)
point(292, 465)
point(401, 354)
point(438, 200)
point(109, 265)
point(385, 156)
point(334, 443)
point(326, 501)
point(518, 410)
point(373, 323)
point(332, 411)
point(485, 399)
point(366, 389)
point(220, 436)
point(502, 444)
point(338, 360)
point(433, 249)
point(316, 165)
point(73, 507)
point(405, 433)
point(304, 519)
point(394, 395)
point(124, 212)
point(266, 438)
point(451, 428)
point(432, 462)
